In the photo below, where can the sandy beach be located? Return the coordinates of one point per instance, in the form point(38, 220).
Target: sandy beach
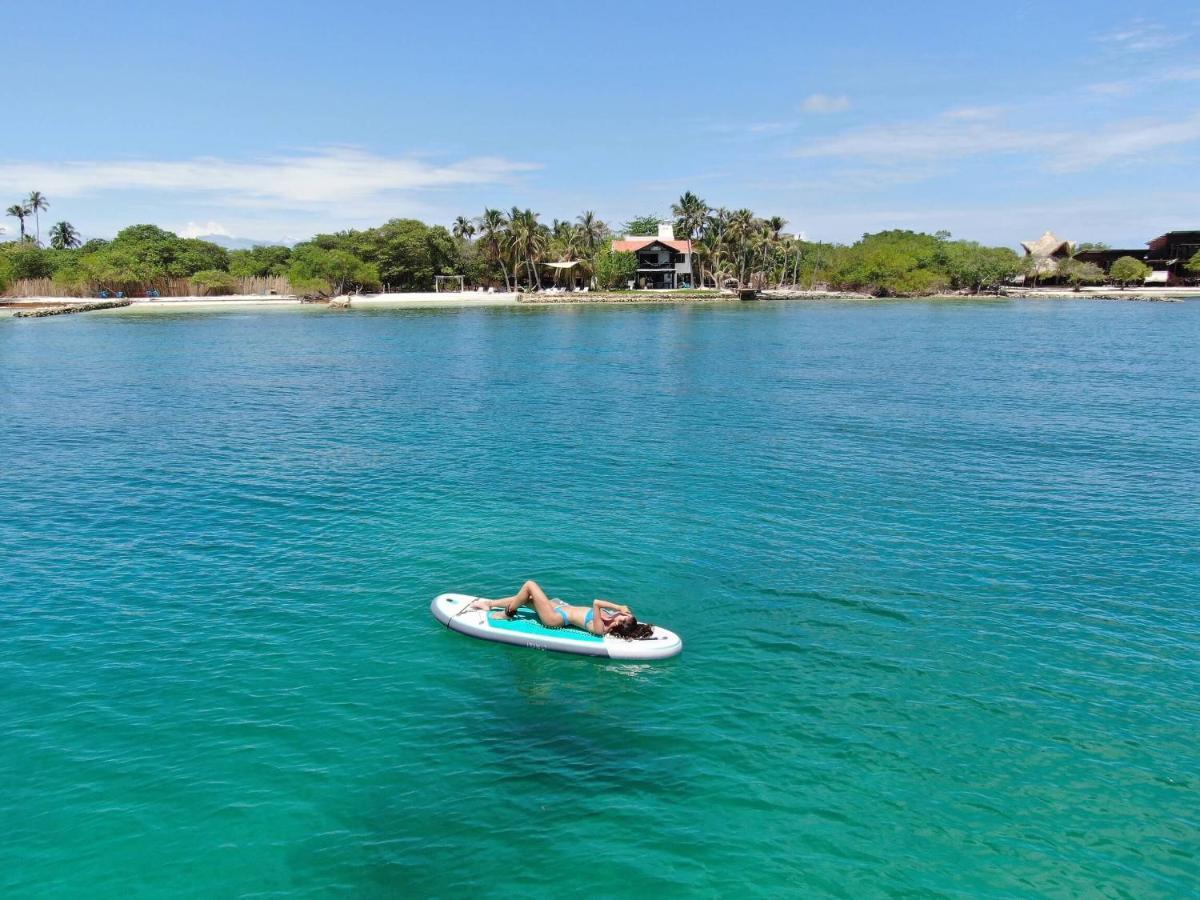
point(432, 300)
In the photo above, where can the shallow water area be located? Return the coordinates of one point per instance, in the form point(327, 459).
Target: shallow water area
point(935, 566)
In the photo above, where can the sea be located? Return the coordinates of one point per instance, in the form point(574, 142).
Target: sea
point(935, 564)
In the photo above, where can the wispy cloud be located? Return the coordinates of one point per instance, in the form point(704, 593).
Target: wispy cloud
point(822, 104)
point(986, 132)
point(335, 176)
point(1141, 36)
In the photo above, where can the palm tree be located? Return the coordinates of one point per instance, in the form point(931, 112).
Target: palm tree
point(18, 211)
point(63, 236)
point(35, 203)
point(592, 233)
point(690, 215)
point(527, 240)
point(492, 232)
point(463, 228)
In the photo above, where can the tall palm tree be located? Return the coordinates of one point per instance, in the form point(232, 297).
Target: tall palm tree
point(463, 228)
point(492, 232)
point(528, 241)
point(63, 236)
point(592, 233)
point(690, 215)
point(35, 203)
point(18, 211)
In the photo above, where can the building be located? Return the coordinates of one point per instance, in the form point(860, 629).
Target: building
point(1166, 255)
point(1169, 255)
point(662, 261)
point(1047, 250)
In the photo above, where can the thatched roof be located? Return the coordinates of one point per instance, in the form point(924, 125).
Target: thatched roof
point(1048, 245)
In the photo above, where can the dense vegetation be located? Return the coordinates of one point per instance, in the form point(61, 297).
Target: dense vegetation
point(510, 250)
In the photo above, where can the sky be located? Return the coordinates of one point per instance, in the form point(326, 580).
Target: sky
point(272, 121)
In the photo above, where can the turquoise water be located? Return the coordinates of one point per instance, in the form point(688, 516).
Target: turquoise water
point(935, 565)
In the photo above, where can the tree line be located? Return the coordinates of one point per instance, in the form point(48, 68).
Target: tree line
point(510, 250)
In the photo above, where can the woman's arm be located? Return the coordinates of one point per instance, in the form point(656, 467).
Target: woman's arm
point(608, 604)
point(599, 626)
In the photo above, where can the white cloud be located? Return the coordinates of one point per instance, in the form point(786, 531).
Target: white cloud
point(1141, 36)
point(1133, 139)
point(332, 178)
point(203, 229)
point(985, 133)
point(1113, 88)
point(825, 103)
point(953, 134)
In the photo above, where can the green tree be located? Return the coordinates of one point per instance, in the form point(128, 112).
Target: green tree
point(642, 225)
point(215, 282)
point(1128, 270)
point(614, 269)
point(894, 263)
point(27, 260)
point(261, 261)
point(148, 252)
point(493, 228)
point(19, 211)
point(1077, 273)
point(35, 203)
point(63, 236)
point(527, 241)
point(464, 228)
point(971, 266)
point(690, 215)
point(1193, 264)
point(314, 268)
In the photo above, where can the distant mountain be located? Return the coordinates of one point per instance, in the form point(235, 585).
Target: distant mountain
point(237, 243)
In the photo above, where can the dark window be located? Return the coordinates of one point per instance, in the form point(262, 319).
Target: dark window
point(677, 257)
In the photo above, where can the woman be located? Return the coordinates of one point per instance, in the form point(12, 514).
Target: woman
point(601, 618)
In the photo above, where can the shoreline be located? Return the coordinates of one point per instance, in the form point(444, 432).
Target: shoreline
point(432, 300)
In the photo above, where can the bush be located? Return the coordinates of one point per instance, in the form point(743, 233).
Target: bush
point(615, 269)
point(215, 282)
point(1127, 270)
point(314, 269)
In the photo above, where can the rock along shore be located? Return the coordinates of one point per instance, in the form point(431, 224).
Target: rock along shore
point(67, 309)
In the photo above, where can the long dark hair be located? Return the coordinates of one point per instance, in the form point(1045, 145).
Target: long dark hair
point(633, 630)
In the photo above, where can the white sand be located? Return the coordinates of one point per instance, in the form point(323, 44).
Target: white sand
point(258, 301)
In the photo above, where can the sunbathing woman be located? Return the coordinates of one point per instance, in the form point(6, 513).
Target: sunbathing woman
point(601, 618)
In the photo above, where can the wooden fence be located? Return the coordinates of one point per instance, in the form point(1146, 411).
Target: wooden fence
point(166, 287)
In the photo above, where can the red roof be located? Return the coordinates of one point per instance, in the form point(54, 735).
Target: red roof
point(641, 243)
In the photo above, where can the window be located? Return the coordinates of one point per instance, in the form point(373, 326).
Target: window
point(677, 257)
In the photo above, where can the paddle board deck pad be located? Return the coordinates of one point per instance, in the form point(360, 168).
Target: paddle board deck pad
point(525, 630)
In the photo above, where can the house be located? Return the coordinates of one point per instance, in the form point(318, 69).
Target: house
point(1166, 255)
point(662, 261)
point(1047, 250)
point(1169, 255)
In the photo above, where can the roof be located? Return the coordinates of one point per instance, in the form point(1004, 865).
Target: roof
point(1047, 245)
point(566, 264)
point(632, 245)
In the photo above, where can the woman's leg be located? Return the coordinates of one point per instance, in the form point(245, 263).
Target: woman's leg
point(531, 594)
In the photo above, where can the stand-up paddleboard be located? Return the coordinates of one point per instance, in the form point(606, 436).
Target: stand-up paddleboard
point(526, 630)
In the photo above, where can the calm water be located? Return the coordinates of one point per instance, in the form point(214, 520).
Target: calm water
point(936, 567)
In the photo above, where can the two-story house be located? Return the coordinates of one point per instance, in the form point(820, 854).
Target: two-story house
point(662, 261)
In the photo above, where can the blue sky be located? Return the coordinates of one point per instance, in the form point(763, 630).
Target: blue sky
point(273, 121)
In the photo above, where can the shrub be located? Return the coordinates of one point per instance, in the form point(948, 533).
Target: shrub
point(215, 282)
point(1127, 270)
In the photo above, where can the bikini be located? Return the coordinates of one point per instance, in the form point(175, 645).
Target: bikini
point(561, 608)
